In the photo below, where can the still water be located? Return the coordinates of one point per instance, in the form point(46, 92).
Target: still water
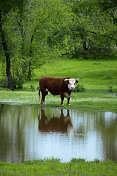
point(31, 133)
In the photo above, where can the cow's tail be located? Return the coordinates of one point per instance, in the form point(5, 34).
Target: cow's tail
point(39, 94)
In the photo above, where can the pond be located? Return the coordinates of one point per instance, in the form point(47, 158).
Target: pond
point(31, 133)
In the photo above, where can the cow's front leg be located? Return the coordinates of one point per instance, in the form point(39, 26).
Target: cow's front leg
point(62, 99)
point(43, 97)
point(68, 101)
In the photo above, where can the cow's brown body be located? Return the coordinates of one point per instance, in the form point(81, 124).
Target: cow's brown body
point(56, 86)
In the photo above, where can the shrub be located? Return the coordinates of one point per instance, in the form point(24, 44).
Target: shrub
point(79, 88)
point(32, 87)
point(4, 82)
point(110, 89)
point(18, 83)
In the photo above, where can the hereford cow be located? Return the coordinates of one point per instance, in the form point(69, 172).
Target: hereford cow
point(57, 86)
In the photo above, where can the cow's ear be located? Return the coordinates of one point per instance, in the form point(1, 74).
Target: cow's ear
point(77, 80)
point(66, 79)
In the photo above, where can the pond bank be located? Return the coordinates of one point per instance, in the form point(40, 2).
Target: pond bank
point(92, 100)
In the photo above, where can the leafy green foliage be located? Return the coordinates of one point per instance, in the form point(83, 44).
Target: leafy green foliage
point(37, 32)
point(79, 88)
point(27, 30)
point(4, 83)
point(92, 31)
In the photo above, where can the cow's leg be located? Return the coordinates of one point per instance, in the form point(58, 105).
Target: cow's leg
point(68, 101)
point(43, 98)
point(44, 93)
point(62, 98)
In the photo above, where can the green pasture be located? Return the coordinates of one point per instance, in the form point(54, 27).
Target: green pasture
point(97, 88)
point(94, 75)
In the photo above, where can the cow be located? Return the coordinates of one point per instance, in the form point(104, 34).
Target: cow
point(57, 86)
point(62, 124)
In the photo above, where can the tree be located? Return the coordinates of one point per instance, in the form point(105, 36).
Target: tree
point(5, 8)
point(109, 8)
point(92, 32)
point(33, 26)
point(4, 44)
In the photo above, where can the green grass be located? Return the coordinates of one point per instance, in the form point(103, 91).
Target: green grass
point(98, 75)
point(97, 78)
point(80, 100)
point(98, 82)
point(55, 167)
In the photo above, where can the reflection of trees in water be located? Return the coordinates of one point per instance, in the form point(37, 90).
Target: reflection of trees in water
point(106, 124)
point(4, 143)
point(103, 124)
point(61, 124)
point(11, 128)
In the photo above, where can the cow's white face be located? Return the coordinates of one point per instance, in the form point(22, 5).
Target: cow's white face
point(71, 83)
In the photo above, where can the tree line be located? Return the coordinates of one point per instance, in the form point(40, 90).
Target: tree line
point(35, 31)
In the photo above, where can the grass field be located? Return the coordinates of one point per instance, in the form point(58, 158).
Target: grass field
point(97, 85)
point(94, 75)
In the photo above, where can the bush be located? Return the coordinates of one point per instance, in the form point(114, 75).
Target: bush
point(79, 88)
point(32, 87)
point(4, 83)
point(18, 84)
point(110, 89)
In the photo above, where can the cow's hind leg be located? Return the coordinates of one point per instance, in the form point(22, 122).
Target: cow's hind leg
point(44, 93)
point(62, 99)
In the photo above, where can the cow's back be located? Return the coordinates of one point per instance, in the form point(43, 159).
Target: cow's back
point(52, 84)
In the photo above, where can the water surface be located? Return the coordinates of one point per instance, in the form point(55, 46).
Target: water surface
point(29, 133)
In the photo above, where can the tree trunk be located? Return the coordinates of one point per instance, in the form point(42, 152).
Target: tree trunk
point(8, 72)
point(29, 66)
point(8, 64)
point(29, 71)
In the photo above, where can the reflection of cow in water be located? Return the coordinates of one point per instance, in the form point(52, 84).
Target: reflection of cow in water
point(55, 124)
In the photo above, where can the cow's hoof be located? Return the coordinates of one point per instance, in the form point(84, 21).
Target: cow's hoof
point(68, 104)
point(62, 104)
point(43, 103)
